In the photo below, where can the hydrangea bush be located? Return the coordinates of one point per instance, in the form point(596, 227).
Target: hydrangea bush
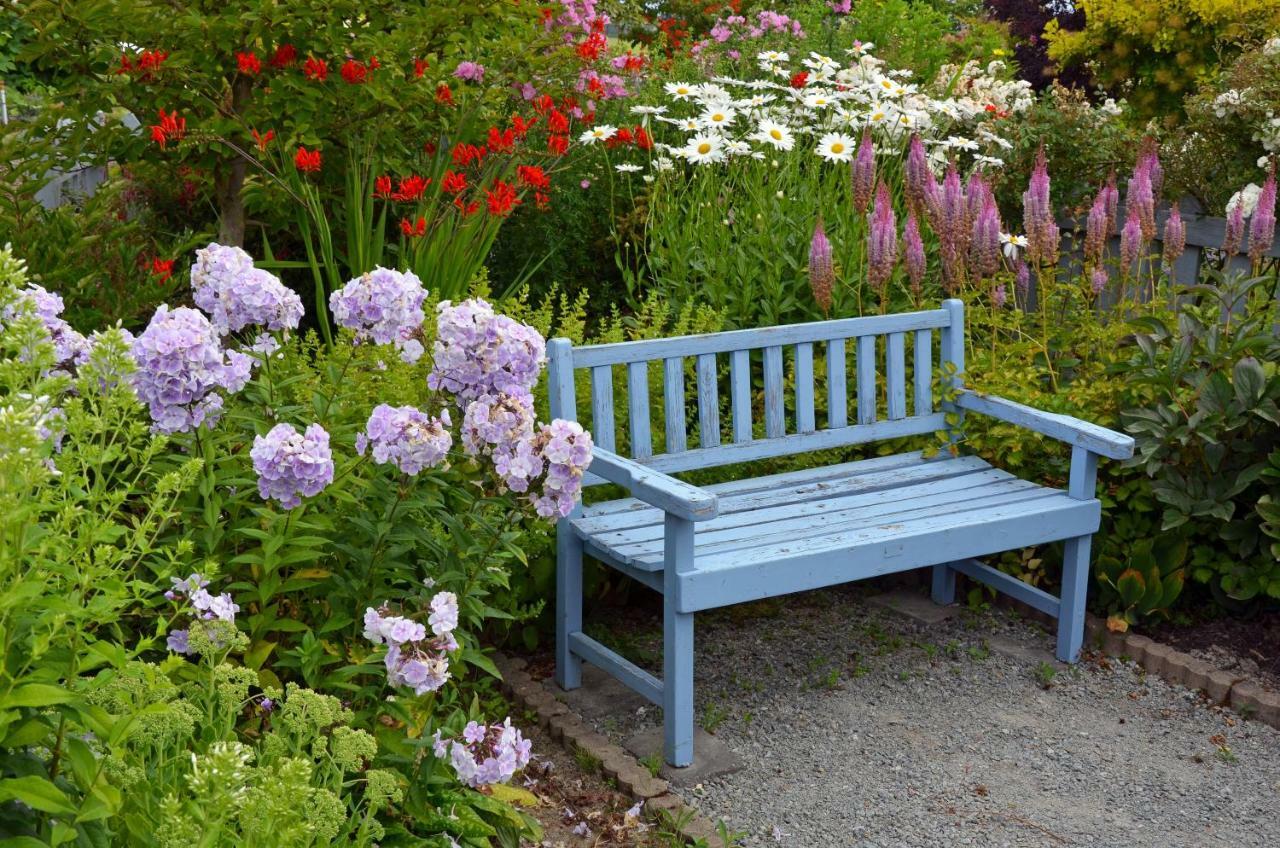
point(306, 490)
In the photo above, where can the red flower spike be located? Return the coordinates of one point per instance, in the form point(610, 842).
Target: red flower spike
point(249, 64)
point(315, 69)
point(125, 65)
point(467, 209)
point(557, 144)
point(162, 270)
point(354, 72)
point(501, 142)
point(501, 199)
point(382, 187)
point(420, 68)
point(413, 229)
point(800, 79)
point(644, 141)
point(411, 189)
point(284, 56)
point(542, 200)
point(263, 140)
point(454, 182)
point(521, 127)
point(170, 128)
point(558, 122)
point(533, 176)
point(444, 95)
point(307, 161)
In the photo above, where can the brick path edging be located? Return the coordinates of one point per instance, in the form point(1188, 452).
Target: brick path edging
point(1222, 687)
point(568, 729)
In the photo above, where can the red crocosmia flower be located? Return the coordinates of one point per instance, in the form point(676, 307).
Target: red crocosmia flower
point(533, 176)
point(264, 139)
point(374, 64)
point(170, 128)
point(125, 64)
point(249, 63)
point(501, 142)
point(284, 56)
point(307, 161)
point(444, 95)
point(382, 187)
point(521, 127)
point(430, 147)
point(589, 117)
point(464, 154)
point(162, 270)
point(467, 209)
point(315, 69)
point(542, 200)
point(544, 104)
point(622, 136)
point(411, 188)
point(454, 182)
point(151, 60)
point(595, 87)
point(800, 79)
point(592, 46)
point(547, 13)
point(355, 72)
point(501, 199)
point(644, 141)
point(420, 68)
point(558, 122)
point(557, 144)
point(413, 229)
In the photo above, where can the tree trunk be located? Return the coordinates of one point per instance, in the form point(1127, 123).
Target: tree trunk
point(229, 180)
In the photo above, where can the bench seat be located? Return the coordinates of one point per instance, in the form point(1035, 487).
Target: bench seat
point(825, 526)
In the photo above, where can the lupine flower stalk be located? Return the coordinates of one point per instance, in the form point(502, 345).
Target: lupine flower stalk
point(913, 255)
point(822, 275)
point(1149, 158)
point(882, 245)
point(1139, 197)
point(918, 175)
point(1111, 197)
point(864, 173)
point(1262, 226)
point(1098, 280)
point(1022, 279)
point(1174, 239)
point(984, 246)
point(1131, 240)
point(1096, 233)
point(1037, 215)
point(1234, 234)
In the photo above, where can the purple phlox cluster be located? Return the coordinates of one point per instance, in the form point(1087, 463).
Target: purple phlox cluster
point(384, 306)
point(406, 437)
point(566, 449)
point(882, 243)
point(181, 365)
point(469, 71)
point(1037, 215)
point(485, 755)
point(207, 607)
point(841, 7)
point(822, 275)
point(414, 658)
point(610, 86)
point(913, 252)
point(1130, 239)
point(1174, 238)
point(478, 353)
point(501, 427)
point(290, 464)
point(576, 18)
point(1262, 226)
point(236, 295)
point(864, 173)
point(68, 345)
point(739, 29)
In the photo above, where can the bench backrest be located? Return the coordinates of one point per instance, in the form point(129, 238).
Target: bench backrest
point(878, 412)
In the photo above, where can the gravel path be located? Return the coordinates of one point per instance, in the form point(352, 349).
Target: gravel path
point(860, 727)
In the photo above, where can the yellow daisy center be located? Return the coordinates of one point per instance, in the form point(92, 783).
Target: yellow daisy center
point(775, 134)
point(704, 148)
point(837, 148)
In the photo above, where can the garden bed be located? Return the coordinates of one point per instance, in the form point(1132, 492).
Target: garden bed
point(1249, 646)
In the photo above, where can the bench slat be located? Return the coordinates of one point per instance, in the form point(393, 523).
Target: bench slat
point(708, 402)
point(602, 429)
point(775, 424)
point(866, 379)
point(727, 342)
point(923, 373)
point(837, 558)
point(837, 386)
point(895, 376)
point(640, 514)
point(805, 416)
point(638, 410)
point(673, 403)
point(740, 394)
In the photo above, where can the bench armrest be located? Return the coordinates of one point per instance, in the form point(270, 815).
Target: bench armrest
point(1073, 431)
point(654, 487)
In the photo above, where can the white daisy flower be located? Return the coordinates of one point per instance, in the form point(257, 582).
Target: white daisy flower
point(818, 100)
point(836, 147)
point(993, 161)
point(736, 147)
point(627, 168)
point(704, 149)
point(663, 163)
point(877, 114)
point(718, 118)
point(710, 93)
point(1012, 244)
point(680, 90)
point(775, 134)
point(648, 110)
point(860, 48)
point(604, 132)
point(960, 143)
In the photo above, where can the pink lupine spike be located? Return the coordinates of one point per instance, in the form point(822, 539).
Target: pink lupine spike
point(984, 245)
point(1234, 234)
point(882, 244)
point(918, 175)
point(1174, 238)
point(1140, 198)
point(864, 173)
point(1111, 196)
point(1130, 241)
point(822, 275)
point(1096, 232)
point(913, 253)
point(1037, 212)
point(1262, 227)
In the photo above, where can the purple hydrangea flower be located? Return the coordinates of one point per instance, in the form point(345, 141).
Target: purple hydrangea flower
point(68, 345)
point(292, 464)
point(181, 365)
point(478, 353)
point(236, 295)
point(406, 437)
point(566, 449)
point(384, 306)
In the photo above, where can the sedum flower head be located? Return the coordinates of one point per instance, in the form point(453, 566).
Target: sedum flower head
point(291, 465)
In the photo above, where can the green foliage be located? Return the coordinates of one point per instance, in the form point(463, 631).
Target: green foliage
point(924, 35)
point(1210, 429)
point(1143, 581)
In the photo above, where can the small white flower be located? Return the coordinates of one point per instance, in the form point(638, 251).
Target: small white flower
point(1012, 244)
point(836, 147)
point(648, 110)
point(818, 100)
point(718, 118)
point(775, 134)
point(1247, 198)
point(679, 90)
point(627, 168)
point(704, 149)
point(604, 132)
point(960, 143)
point(993, 161)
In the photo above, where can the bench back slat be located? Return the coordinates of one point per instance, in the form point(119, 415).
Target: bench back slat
point(708, 401)
point(781, 399)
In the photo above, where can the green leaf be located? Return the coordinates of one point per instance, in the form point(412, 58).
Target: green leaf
point(36, 792)
point(1131, 586)
point(1249, 381)
point(36, 695)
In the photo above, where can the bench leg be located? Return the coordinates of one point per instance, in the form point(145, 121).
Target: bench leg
point(677, 645)
point(944, 584)
point(677, 685)
point(1075, 586)
point(568, 604)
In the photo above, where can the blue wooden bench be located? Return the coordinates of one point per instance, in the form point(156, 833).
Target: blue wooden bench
point(761, 537)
